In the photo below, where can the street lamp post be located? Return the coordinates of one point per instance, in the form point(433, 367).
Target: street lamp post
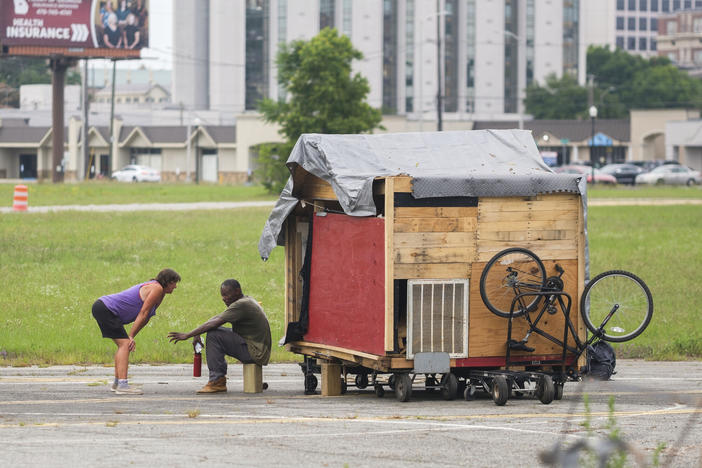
point(593, 115)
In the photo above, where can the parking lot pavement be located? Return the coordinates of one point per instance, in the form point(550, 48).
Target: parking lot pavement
point(66, 416)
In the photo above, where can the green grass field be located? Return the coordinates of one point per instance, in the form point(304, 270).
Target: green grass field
point(104, 192)
point(55, 265)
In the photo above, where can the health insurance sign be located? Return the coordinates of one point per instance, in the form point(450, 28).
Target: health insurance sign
point(74, 25)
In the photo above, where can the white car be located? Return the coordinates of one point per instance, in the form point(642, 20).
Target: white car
point(134, 173)
point(670, 174)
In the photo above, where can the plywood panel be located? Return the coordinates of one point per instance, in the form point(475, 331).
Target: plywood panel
point(434, 255)
point(487, 215)
point(487, 335)
point(435, 224)
point(434, 239)
point(432, 270)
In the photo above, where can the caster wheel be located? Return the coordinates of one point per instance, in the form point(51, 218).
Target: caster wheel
point(403, 387)
point(449, 386)
point(310, 384)
point(545, 390)
point(361, 381)
point(558, 391)
point(469, 392)
point(500, 390)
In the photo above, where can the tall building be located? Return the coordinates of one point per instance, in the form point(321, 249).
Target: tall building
point(631, 25)
point(483, 52)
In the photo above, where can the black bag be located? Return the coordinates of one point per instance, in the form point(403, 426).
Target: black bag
point(601, 360)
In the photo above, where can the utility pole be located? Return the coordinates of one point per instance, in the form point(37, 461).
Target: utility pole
point(83, 170)
point(439, 100)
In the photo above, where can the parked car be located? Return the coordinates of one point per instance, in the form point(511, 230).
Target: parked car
point(648, 166)
point(670, 174)
point(600, 177)
point(134, 173)
point(624, 173)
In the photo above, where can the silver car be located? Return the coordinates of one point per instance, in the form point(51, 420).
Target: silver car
point(670, 174)
point(134, 173)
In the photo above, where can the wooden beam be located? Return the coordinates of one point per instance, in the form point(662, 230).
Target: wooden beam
point(331, 379)
point(389, 210)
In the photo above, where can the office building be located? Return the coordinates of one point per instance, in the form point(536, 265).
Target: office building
point(487, 51)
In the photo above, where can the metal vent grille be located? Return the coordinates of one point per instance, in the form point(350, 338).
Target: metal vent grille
point(437, 317)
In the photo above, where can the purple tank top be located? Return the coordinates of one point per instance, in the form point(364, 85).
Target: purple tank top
point(127, 304)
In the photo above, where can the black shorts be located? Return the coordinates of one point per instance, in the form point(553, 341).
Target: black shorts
point(110, 325)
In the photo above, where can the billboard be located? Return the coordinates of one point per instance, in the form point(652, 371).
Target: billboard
point(90, 28)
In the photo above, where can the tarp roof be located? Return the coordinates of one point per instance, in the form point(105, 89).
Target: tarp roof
point(463, 163)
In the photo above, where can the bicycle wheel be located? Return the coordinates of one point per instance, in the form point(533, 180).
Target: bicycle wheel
point(629, 293)
point(509, 273)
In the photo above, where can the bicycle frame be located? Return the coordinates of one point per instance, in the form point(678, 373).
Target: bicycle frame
point(552, 297)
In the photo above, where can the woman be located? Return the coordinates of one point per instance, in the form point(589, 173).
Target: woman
point(132, 36)
point(113, 34)
point(136, 304)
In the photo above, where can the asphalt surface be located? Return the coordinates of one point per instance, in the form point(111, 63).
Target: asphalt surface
point(67, 416)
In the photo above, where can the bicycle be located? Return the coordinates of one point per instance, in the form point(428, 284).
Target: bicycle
point(616, 305)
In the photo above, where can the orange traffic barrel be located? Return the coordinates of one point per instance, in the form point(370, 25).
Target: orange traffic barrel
point(20, 202)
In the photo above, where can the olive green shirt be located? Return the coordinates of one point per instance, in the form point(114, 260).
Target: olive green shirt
point(250, 322)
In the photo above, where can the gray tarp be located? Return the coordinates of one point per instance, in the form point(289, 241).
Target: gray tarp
point(467, 163)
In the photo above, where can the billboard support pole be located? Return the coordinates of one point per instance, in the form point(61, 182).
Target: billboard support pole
point(112, 119)
point(58, 78)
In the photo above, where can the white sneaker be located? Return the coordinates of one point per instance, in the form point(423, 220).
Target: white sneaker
point(128, 390)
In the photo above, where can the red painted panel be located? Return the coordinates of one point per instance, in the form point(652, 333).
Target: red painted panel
point(347, 283)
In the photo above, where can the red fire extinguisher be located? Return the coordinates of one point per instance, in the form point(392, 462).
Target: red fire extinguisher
point(197, 359)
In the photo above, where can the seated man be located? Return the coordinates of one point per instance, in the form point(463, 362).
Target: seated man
point(249, 339)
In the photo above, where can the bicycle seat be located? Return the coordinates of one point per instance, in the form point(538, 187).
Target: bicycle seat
point(519, 346)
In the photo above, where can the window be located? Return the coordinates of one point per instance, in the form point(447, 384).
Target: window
point(632, 5)
point(654, 5)
point(643, 5)
point(697, 24)
point(620, 5)
point(688, 4)
point(620, 42)
point(654, 45)
point(620, 23)
point(676, 5)
point(390, 56)
point(643, 24)
point(698, 57)
point(326, 14)
point(698, 4)
point(631, 43)
point(673, 57)
point(654, 24)
point(631, 24)
point(671, 27)
point(665, 6)
point(642, 43)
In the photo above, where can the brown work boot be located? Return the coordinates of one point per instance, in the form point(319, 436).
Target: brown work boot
point(215, 386)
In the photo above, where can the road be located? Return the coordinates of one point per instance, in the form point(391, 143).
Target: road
point(66, 416)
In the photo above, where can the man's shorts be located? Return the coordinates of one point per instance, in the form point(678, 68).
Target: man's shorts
point(110, 325)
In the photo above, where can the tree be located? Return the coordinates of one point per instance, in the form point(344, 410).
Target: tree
point(622, 81)
point(17, 71)
point(323, 94)
point(559, 98)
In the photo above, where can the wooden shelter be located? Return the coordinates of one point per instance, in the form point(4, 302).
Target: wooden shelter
point(382, 288)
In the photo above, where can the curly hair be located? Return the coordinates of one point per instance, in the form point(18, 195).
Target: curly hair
point(167, 276)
